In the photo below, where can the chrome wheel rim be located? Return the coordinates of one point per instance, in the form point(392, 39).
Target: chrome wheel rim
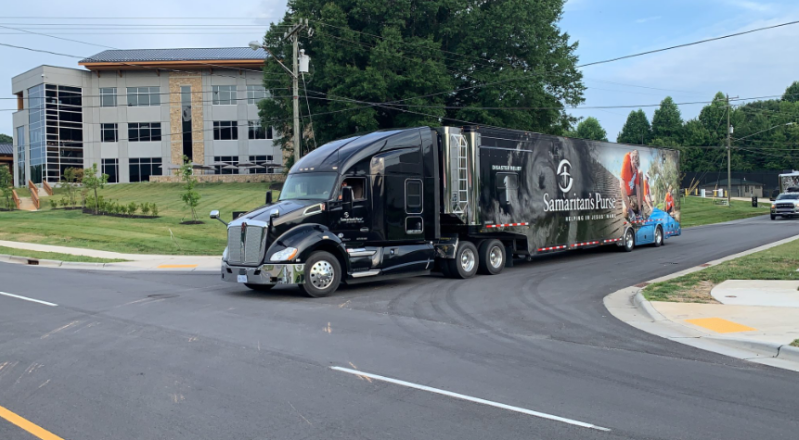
point(322, 275)
point(629, 239)
point(495, 257)
point(467, 260)
point(658, 236)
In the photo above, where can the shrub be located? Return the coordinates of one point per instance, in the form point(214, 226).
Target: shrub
point(132, 207)
point(154, 209)
point(53, 203)
point(145, 208)
point(63, 202)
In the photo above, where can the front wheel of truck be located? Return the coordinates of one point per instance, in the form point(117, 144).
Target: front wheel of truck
point(322, 274)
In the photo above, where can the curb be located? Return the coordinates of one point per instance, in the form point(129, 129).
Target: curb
point(646, 307)
point(789, 353)
point(763, 350)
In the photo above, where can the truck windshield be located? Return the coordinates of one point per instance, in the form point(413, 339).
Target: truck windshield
point(792, 196)
point(308, 186)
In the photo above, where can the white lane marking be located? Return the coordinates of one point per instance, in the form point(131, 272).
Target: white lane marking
point(471, 399)
point(29, 299)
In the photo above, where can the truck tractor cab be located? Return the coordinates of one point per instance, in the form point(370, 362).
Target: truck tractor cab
point(350, 210)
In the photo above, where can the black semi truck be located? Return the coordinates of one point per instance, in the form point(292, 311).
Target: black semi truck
point(459, 200)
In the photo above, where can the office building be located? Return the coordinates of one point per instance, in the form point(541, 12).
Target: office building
point(137, 113)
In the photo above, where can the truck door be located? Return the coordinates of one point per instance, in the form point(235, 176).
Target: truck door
point(353, 224)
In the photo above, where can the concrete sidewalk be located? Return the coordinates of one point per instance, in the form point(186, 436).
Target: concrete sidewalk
point(136, 262)
point(756, 320)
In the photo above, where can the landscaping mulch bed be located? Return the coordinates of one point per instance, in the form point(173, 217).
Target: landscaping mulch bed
point(107, 214)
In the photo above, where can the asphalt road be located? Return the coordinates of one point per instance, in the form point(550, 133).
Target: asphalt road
point(184, 356)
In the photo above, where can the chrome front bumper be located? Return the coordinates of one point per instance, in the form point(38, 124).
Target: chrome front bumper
point(266, 274)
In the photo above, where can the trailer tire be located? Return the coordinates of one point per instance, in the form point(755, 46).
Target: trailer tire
point(466, 261)
point(492, 257)
point(628, 242)
point(260, 287)
point(322, 274)
point(659, 236)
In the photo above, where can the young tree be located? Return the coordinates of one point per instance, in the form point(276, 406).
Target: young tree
point(434, 60)
point(590, 129)
point(93, 180)
point(70, 184)
point(636, 129)
point(6, 186)
point(190, 197)
point(667, 122)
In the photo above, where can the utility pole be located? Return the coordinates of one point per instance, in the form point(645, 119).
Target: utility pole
point(294, 34)
point(729, 155)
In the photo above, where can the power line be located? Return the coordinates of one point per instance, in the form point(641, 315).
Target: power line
point(694, 43)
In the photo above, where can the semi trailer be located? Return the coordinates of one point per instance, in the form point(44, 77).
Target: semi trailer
point(456, 200)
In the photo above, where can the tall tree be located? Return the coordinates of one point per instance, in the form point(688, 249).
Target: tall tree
point(378, 64)
point(667, 123)
point(792, 93)
point(5, 139)
point(636, 129)
point(589, 128)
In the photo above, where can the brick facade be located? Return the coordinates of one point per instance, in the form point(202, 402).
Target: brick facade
point(177, 79)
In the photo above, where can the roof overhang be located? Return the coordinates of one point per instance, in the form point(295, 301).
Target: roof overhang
point(167, 65)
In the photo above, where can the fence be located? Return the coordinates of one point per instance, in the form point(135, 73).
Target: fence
point(769, 178)
point(34, 194)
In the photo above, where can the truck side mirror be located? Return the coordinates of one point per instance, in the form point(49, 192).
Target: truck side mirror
point(346, 197)
point(269, 197)
point(215, 216)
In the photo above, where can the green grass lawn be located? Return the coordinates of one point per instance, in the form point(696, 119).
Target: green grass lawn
point(696, 211)
point(777, 263)
point(164, 235)
point(55, 256)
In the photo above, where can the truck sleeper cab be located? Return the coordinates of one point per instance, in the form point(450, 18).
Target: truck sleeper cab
point(406, 202)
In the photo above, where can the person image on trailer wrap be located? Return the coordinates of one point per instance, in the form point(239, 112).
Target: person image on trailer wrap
point(633, 190)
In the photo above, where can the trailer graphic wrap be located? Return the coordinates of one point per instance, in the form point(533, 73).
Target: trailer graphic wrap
point(574, 191)
point(790, 180)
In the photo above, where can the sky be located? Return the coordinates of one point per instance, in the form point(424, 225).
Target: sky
point(758, 64)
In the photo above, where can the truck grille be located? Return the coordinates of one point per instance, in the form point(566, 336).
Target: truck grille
point(245, 245)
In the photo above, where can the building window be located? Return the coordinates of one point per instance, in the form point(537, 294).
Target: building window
point(255, 94)
point(144, 132)
point(108, 97)
point(230, 161)
point(413, 196)
point(224, 95)
point(142, 168)
point(226, 130)
point(256, 131)
point(264, 161)
point(20, 174)
point(109, 133)
point(55, 131)
point(111, 167)
point(144, 96)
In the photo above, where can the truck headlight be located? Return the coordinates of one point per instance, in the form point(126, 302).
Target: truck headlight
point(773, 206)
point(284, 255)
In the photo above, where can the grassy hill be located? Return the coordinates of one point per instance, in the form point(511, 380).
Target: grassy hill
point(164, 235)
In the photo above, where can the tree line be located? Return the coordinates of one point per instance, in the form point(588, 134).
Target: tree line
point(765, 133)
